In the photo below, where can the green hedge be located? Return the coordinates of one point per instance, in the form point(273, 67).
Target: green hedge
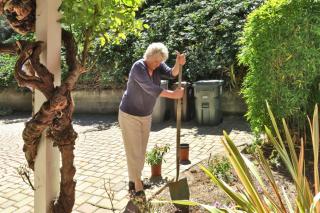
point(281, 44)
point(207, 31)
point(7, 64)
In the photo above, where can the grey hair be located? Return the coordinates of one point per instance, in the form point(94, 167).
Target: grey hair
point(156, 48)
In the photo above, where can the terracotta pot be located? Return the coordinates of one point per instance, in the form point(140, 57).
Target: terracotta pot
point(156, 170)
point(184, 154)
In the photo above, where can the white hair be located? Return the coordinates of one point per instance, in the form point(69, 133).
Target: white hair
point(156, 48)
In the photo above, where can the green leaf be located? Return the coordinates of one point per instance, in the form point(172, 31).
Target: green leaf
point(237, 197)
point(243, 173)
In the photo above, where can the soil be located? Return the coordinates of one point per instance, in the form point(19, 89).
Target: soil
point(204, 191)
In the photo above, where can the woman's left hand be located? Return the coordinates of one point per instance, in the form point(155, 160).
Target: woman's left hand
point(181, 58)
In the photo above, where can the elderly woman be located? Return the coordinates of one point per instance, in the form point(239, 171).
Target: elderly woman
point(143, 88)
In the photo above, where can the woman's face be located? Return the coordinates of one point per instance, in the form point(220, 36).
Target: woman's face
point(154, 61)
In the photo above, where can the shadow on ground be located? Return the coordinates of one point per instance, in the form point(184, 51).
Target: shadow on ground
point(16, 117)
point(99, 122)
point(228, 124)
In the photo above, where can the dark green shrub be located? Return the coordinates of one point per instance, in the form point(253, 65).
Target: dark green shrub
point(281, 43)
point(205, 30)
point(5, 31)
point(7, 64)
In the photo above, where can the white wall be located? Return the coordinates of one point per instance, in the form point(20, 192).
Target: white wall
point(105, 101)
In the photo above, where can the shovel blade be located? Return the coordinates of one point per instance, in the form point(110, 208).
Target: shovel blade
point(180, 191)
point(131, 208)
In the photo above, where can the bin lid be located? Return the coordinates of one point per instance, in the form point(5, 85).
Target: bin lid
point(208, 83)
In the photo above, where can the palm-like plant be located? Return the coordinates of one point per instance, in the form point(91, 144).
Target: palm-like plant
point(250, 199)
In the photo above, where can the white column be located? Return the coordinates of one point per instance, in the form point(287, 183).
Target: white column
point(47, 174)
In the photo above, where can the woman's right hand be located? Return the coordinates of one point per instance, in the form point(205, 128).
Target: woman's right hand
point(175, 94)
point(178, 93)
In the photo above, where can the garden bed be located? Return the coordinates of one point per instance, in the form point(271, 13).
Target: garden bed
point(204, 191)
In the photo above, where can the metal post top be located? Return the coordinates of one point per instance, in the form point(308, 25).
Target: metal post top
point(183, 83)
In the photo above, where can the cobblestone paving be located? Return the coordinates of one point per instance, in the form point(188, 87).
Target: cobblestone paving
point(100, 158)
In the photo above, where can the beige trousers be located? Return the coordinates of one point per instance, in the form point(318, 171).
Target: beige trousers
point(135, 133)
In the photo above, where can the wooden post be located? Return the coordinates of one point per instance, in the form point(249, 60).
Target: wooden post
point(47, 176)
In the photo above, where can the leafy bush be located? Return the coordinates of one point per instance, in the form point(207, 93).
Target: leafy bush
point(281, 43)
point(115, 61)
point(205, 30)
point(7, 64)
point(108, 21)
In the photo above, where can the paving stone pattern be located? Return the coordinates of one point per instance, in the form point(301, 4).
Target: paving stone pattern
point(100, 158)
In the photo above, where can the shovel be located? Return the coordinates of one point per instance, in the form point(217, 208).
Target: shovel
point(179, 189)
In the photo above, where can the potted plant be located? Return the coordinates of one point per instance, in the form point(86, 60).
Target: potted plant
point(154, 158)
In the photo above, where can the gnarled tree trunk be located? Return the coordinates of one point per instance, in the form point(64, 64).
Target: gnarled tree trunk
point(55, 115)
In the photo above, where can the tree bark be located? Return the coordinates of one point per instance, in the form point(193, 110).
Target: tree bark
point(20, 14)
point(55, 115)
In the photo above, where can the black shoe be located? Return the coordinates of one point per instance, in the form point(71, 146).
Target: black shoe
point(140, 193)
point(131, 188)
point(140, 196)
point(146, 185)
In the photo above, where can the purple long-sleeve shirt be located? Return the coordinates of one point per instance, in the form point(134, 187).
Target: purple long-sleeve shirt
point(142, 89)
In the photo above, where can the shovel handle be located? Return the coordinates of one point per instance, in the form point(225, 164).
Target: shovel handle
point(178, 126)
